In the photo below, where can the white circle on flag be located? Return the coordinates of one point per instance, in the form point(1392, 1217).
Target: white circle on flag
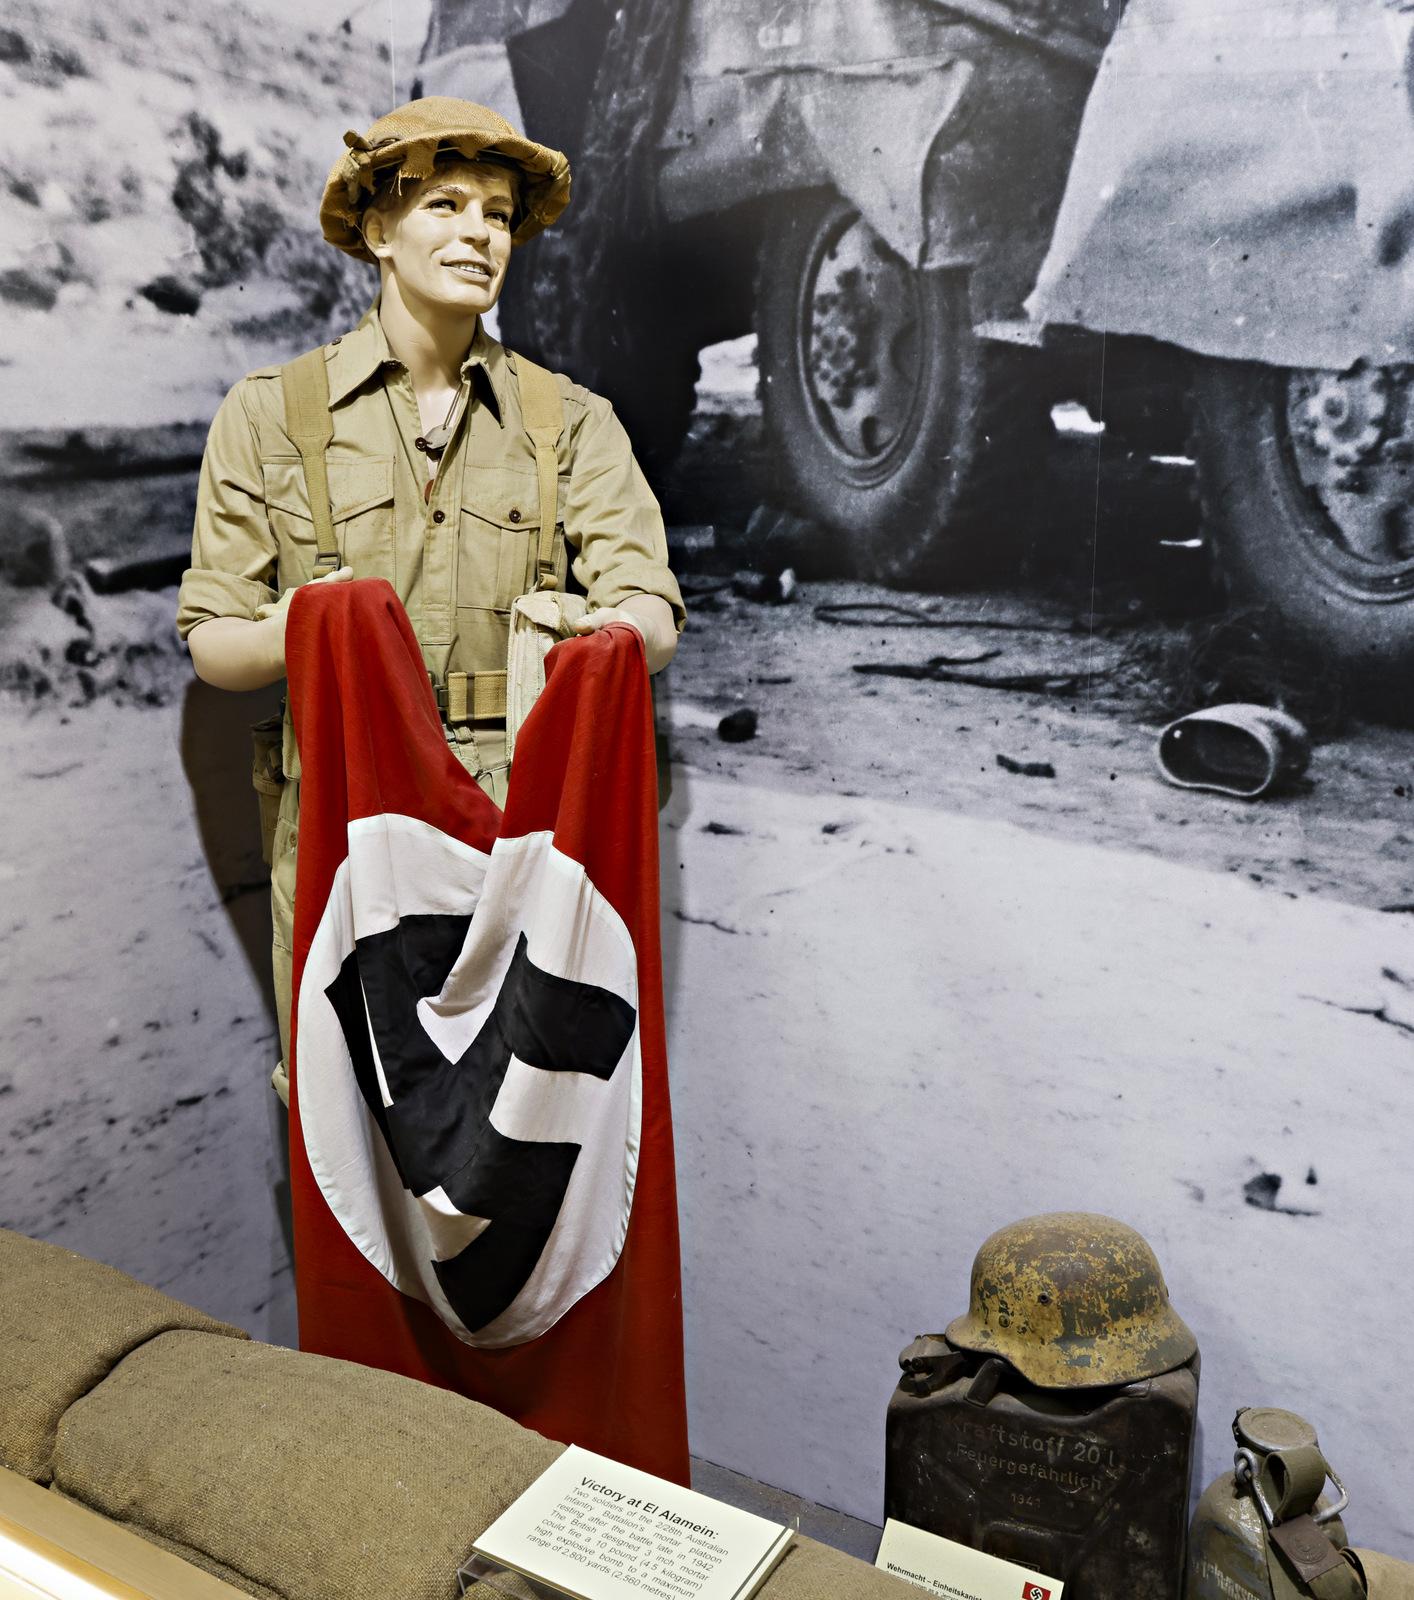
point(397, 867)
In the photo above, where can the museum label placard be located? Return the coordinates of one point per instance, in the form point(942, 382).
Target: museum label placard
point(956, 1571)
point(595, 1529)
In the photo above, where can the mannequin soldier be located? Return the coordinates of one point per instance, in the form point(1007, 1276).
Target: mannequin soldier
point(431, 474)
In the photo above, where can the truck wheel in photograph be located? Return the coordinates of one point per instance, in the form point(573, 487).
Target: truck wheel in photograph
point(1305, 480)
point(888, 420)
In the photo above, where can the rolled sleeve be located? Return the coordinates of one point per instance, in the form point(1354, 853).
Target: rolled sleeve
point(233, 550)
point(612, 519)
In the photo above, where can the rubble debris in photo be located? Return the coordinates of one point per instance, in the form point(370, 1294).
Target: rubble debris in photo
point(737, 726)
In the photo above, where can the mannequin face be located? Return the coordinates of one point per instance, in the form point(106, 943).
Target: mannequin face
point(443, 244)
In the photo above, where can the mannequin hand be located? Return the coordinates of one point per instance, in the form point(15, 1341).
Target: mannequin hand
point(244, 652)
point(595, 620)
point(652, 616)
point(278, 615)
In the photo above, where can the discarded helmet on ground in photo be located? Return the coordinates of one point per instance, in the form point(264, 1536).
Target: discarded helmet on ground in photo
point(1271, 1528)
point(1053, 1423)
point(1242, 750)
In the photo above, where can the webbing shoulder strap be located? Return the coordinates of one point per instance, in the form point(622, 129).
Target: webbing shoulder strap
point(305, 381)
point(543, 415)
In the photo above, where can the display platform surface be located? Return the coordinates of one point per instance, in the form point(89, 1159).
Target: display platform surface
point(59, 1550)
point(853, 1535)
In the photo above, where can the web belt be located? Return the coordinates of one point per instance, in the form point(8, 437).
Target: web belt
point(472, 697)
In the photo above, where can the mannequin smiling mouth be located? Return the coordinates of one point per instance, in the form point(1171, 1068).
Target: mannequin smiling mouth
point(478, 271)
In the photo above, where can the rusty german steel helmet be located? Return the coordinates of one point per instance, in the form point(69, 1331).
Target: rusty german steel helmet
point(1072, 1300)
point(409, 139)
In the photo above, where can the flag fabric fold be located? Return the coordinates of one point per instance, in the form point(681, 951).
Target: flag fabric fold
point(480, 1140)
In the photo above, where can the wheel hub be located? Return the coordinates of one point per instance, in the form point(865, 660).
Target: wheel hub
point(861, 356)
point(1352, 436)
point(1343, 415)
point(844, 337)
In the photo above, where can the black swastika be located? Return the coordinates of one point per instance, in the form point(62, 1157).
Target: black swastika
point(438, 1129)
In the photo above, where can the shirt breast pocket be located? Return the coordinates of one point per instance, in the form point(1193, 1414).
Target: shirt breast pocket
point(500, 537)
point(361, 502)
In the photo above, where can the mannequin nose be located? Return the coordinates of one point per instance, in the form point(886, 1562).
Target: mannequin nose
point(474, 223)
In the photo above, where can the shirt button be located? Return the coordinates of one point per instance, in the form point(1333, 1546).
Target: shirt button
point(420, 444)
point(339, 340)
point(515, 513)
point(439, 516)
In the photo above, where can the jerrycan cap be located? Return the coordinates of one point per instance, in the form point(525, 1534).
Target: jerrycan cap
point(1268, 1428)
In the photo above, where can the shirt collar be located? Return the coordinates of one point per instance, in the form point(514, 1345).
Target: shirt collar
point(358, 355)
point(490, 355)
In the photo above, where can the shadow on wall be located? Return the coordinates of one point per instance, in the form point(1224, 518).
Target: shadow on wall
point(215, 742)
point(216, 758)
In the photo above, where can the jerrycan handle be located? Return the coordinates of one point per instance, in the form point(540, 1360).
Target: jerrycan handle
point(984, 1385)
point(929, 1363)
point(1287, 1483)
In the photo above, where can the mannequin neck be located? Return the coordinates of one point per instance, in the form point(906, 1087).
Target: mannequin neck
point(431, 344)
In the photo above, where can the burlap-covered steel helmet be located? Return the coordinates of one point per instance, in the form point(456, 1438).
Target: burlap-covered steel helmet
point(410, 137)
point(1072, 1300)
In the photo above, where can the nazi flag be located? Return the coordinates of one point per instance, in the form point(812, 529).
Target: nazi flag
point(481, 1164)
point(493, 1048)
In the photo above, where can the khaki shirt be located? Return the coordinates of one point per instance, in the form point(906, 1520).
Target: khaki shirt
point(457, 555)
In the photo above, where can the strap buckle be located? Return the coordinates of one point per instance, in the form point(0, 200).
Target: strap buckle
point(467, 697)
point(1308, 1548)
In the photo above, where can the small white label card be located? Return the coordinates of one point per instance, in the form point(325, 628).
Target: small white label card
point(956, 1571)
point(598, 1530)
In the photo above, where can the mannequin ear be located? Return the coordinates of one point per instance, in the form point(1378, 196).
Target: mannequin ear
point(375, 233)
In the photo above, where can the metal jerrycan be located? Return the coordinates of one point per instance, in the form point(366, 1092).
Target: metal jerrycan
point(1053, 1425)
point(1268, 1530)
